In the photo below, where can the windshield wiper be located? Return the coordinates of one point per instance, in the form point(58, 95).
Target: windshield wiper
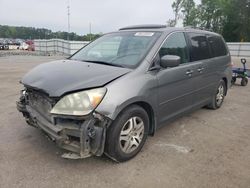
point(103, 62)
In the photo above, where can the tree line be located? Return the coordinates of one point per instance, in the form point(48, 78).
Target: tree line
point(41, 33)
point(231, 18)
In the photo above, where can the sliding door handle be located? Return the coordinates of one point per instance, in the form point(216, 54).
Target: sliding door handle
point(200, 69)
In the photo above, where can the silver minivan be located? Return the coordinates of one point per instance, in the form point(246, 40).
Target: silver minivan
point(114, 92)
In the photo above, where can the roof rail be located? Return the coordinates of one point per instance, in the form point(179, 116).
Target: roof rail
point(194, 27)
point(190, 27)
point(148, 26)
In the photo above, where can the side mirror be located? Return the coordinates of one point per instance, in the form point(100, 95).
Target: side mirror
point(170, 61)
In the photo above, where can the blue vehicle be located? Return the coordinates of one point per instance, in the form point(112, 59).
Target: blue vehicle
point(242, 73)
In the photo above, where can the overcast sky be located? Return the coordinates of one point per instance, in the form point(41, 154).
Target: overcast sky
point(104, 15)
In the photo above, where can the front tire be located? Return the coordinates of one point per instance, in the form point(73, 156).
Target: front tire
point(127, 134)
point(219, 96)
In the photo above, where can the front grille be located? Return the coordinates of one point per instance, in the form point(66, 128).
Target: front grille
point(41, 103)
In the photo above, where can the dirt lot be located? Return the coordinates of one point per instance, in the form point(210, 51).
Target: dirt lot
point(205, 149)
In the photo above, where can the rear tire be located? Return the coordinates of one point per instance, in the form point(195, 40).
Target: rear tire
point(244, 81)
point(219, 96)
point(127, 134)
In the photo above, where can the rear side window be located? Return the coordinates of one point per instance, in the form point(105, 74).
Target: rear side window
point(175, 45)
point(199, 46)
point(217, 46)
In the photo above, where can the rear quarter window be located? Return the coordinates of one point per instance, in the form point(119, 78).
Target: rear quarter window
point(217, 46)
point(199, 46)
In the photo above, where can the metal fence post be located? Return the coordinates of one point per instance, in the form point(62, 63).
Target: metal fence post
point(239, 49)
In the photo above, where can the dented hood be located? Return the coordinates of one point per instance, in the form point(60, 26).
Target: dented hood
point(59, 77)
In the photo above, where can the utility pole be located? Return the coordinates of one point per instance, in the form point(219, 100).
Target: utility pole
point(68, 7)
point(89, 31)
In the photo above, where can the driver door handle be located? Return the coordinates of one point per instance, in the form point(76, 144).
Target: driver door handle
point(189, 72)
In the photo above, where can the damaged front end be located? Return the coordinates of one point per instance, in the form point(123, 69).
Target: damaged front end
point(81, 136)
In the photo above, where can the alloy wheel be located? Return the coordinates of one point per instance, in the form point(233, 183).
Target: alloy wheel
point(220, 95)
point(131, 134)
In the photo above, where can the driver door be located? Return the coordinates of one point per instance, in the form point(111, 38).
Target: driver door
point(176, 84)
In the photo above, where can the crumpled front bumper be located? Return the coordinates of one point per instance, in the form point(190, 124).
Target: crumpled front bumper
point(81, 136)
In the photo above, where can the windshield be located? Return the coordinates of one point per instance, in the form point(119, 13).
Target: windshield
point(123, 49)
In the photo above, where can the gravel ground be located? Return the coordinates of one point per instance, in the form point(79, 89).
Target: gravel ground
point(204, 149)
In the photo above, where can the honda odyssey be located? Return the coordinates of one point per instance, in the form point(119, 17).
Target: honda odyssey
point(114, 92)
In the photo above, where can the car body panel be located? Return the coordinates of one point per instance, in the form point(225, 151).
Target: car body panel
point(175, 91)
point(210, 76)
point(141, 88)
point(60, 77)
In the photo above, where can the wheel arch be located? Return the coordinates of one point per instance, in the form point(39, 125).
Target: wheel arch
point(226, 83)
point(151, 115)
point(148, 108)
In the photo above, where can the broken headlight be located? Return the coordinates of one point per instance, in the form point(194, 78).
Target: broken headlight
point(79, 103)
